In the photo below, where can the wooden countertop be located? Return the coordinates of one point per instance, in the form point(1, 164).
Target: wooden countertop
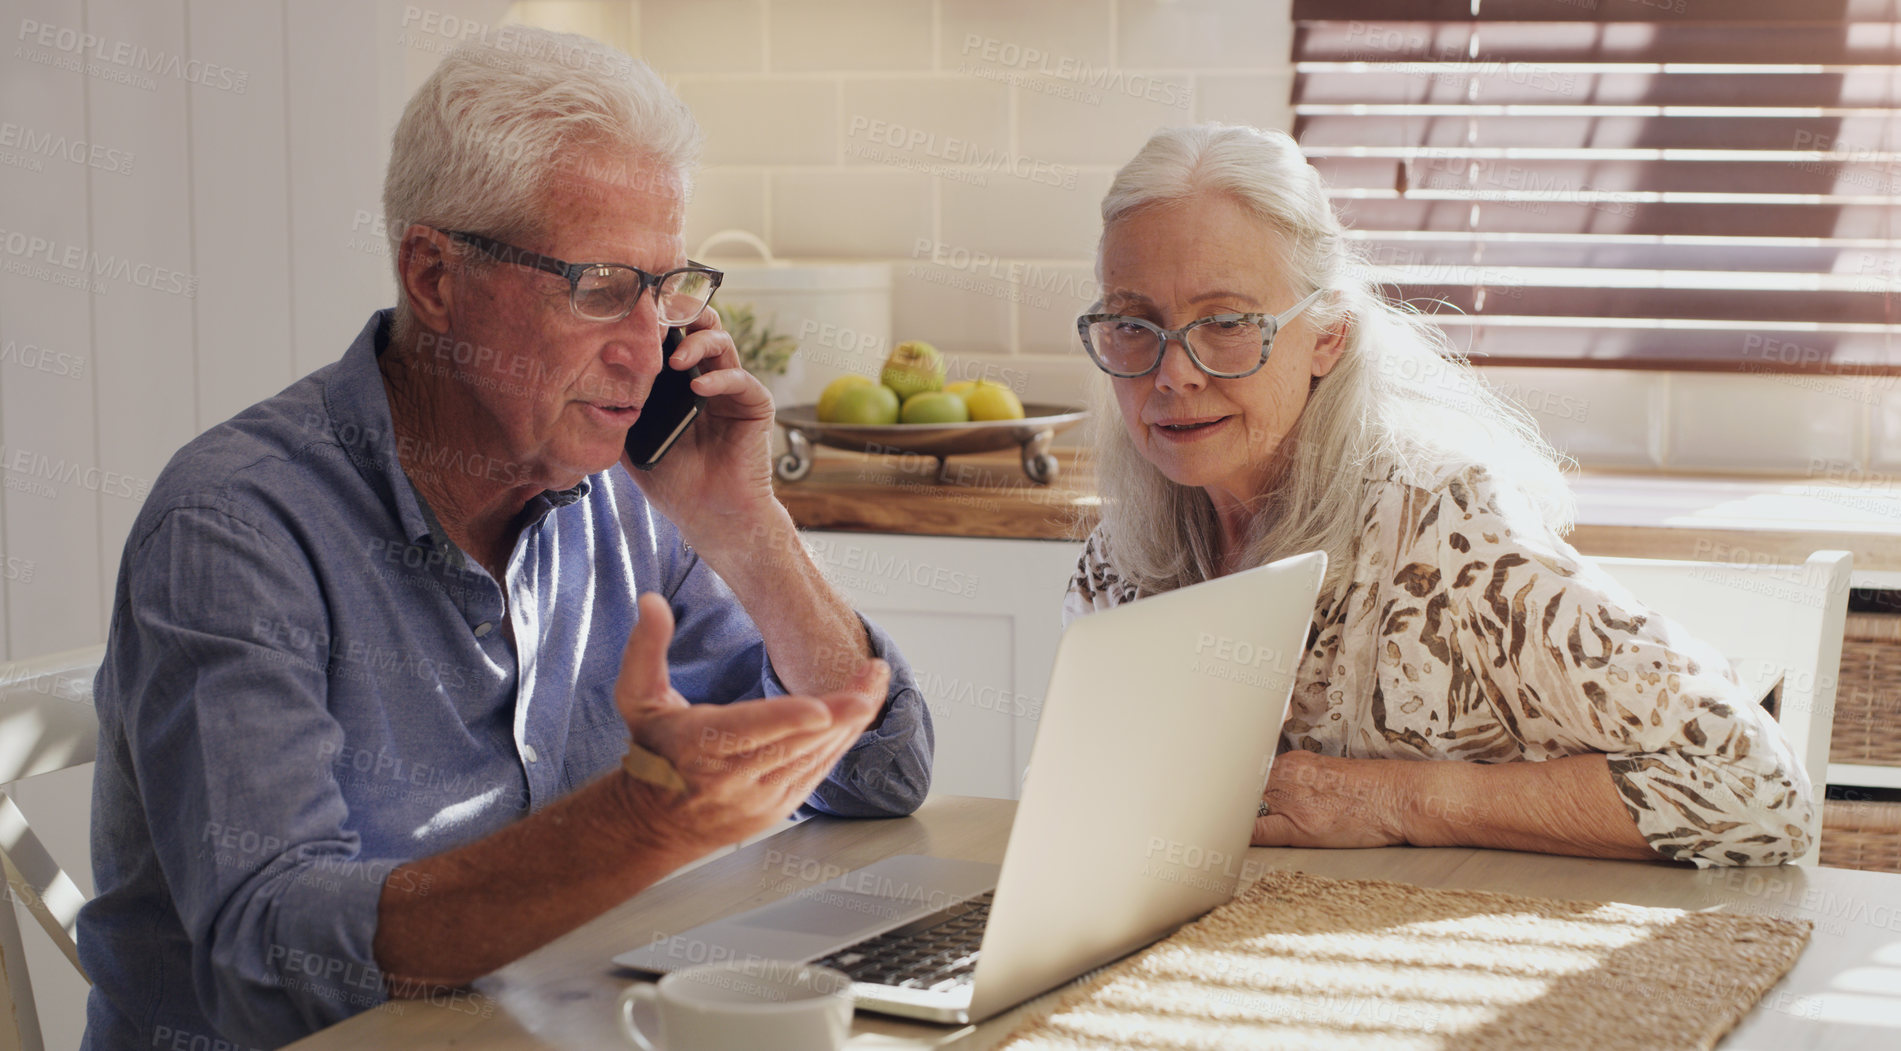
point(1740, 519)
point(1641, 515)
point(985, 494)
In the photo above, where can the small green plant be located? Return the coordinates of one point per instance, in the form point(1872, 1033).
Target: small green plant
point(762, 351)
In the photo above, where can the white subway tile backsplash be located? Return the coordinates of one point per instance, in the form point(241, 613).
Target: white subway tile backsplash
point(1052, 215)
point(706, 36)
point(1204, 34)
point(849, 212)
point(1262, 100)
point(1052, 297)
point(726, 199)
point(761, 120)
point(1066, 380)
point(830, 35)
point(611, 20)
point(926, 124)
point(1762, 422)
point(957, 311)
point(970, 141)
point(1003, 38)
point(1065, 122)
point(1599, 417)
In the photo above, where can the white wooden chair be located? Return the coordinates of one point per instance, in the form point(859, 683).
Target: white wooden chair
point(1769, 619)
point(47, 723)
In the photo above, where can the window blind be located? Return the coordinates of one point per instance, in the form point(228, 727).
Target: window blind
point(1679, 184)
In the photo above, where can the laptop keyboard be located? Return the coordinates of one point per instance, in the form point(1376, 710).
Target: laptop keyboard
point(938, 952)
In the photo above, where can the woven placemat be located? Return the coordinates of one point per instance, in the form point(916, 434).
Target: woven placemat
point(1298, 961)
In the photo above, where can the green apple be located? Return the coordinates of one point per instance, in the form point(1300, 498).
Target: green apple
point(913, 368)
point(876, 404)
point(935, 406)
point(828, 399)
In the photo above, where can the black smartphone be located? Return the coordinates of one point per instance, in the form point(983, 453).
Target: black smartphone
point(669, 409)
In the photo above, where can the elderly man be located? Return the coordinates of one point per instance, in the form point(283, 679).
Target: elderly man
point(403, 661)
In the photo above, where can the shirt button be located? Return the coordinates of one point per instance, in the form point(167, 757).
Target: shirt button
point(483, 629)
point(528, 752)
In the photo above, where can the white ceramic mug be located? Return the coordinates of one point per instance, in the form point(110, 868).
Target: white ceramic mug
point(743, 1005)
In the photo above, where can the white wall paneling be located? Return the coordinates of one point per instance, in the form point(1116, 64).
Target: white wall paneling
point(240, 196)
point(144, 334)
point(192, 208)
point(176, 242)
point(337, 157)
point(50, 542)
point(49, 371)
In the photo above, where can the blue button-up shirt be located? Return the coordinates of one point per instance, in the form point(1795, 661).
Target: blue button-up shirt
point(307, 684)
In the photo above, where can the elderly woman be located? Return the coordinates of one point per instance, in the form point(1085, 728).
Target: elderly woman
point(1267, 401)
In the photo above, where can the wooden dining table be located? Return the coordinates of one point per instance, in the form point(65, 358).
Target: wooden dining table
point(1844, 992)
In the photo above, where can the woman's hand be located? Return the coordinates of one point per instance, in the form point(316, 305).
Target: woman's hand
point(1567, 805)
point(1325, 801)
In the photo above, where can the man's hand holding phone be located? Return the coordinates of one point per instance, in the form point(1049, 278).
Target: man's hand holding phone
point(670, 408)
point(714, 480)
point(715, 484)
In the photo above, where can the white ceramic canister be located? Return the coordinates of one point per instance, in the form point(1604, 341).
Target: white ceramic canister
point(838, 310)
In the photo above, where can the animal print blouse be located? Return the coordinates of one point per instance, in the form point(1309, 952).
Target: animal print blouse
point(1467, 629)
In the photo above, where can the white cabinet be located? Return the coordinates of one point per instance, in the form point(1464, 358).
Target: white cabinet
point(978, 619)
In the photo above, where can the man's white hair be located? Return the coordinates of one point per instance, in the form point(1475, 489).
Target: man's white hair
point(501, 119)
point(1399, 402)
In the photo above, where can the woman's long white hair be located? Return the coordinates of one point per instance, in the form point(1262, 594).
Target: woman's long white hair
point(1399, 402)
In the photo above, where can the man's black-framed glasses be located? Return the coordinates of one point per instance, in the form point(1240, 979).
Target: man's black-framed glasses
point(610, 291)
point(1226, 346)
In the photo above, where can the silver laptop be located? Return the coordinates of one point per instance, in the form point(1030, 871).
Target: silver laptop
point(1153, 749)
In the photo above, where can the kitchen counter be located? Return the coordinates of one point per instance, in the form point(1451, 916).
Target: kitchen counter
point(981, 495)
point(1741, 519)
point(1650, 516)
point(964, 566)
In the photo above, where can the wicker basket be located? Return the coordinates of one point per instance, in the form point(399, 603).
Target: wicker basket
point(1868, 694)
point(1866, 834)
point(1861, 834)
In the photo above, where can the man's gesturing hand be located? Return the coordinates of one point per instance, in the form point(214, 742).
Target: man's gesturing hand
point(746, 765)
